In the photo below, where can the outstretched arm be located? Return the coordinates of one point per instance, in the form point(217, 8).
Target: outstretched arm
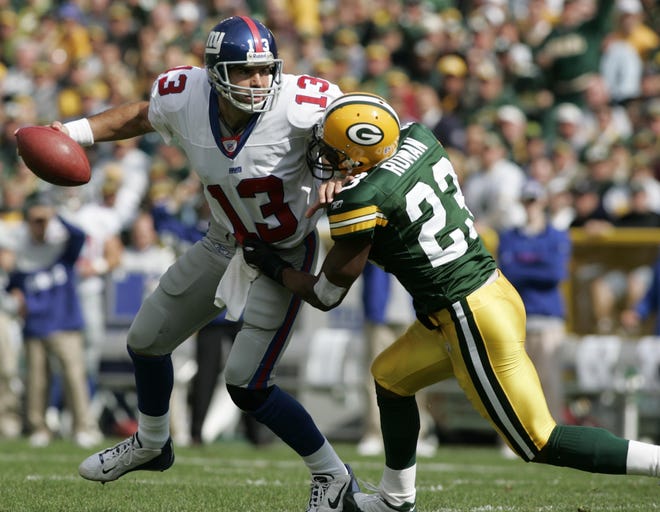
point(118, 123)
point(342, 266)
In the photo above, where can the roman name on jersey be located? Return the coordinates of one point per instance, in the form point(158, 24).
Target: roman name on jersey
point(409, 151)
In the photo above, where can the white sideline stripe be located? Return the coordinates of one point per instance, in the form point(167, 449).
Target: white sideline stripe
point(251, 464)
point(39, 478)
point(485, 384)
point(243, 469)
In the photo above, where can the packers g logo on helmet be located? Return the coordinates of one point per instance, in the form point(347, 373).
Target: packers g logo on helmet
point(357, 132)
point(365, 134)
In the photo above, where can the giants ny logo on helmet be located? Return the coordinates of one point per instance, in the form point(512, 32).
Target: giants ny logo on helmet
point(252, 56)
point(214, 42)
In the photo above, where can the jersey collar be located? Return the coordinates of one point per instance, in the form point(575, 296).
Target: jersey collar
point(229, 146)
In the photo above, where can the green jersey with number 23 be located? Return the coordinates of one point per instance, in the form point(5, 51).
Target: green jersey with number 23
point(412, 207)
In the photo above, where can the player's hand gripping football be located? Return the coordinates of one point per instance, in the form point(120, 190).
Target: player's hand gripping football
point(259, 254)
point(52, 155)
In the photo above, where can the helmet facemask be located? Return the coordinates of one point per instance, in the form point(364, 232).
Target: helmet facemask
point(326, 161)
point(260, 99)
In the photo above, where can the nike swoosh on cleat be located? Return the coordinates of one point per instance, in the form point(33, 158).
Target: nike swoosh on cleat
point(335, 503)
point(106, 471)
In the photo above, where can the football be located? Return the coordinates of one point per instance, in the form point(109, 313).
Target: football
point(53, 156)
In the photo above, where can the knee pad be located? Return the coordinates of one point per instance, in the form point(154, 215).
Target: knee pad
point(248, 400)
point(143, 336)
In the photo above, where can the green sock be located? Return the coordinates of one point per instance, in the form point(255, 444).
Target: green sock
point(399, 422)
point(586, 448)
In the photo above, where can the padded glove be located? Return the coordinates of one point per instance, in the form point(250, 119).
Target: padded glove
point(259, 254)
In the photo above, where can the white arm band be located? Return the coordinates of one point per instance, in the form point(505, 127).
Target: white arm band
point(329, 294)
point(81, 131)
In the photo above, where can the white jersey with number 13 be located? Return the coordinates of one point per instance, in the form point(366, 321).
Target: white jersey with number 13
point(257, 183)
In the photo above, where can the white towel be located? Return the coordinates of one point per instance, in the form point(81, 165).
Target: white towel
point(235, 285)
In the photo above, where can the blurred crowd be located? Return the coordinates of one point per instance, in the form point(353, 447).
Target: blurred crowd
point(562, 92)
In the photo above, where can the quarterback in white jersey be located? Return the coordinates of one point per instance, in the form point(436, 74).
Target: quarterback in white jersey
point(257, 182)
point(244, 127)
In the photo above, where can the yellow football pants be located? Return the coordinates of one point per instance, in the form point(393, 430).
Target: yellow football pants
point(480, 340)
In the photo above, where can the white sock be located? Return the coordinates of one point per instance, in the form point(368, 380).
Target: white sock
point(398, 485)
point(643, 459)
point(325, 460)
point(153, 431)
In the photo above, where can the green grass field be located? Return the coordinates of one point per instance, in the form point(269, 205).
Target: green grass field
point(234, 476)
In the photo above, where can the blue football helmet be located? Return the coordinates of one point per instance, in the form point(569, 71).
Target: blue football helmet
point(243, 41)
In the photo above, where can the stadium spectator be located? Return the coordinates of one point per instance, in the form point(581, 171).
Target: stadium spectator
point(447, 126)
point(647, 305)
point(569, 126)
point(614, 290)
point(601, 172)
point(652, 113)
point(630, 27)
point(622, 69)
point(589, 210)
point(127, 167)
point(378, 63)
point(44, 281)
point(101, 253)
point(570, 54)
point(190, 34)
point(511, 124)
point(642, 173)
point(540, 169)
point(491, 92)
point(604, 123)
point(475, 135)
point(75, 40)
point(355, 56)
point(568, 167)
point(11, 421)
point(640, 212)
point(493, 191)
point(422, 67)
point(535, 23)
point(535, 258)
point(123, 31)
point(452, 79)
point(560, 205)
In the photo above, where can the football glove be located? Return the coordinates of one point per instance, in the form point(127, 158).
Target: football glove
point(259, 254)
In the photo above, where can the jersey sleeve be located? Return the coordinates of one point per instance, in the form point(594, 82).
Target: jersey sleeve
point(171, 95)
point(310, 96)
point(355, 213)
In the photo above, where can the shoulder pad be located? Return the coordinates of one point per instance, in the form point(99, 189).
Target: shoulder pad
point(306, 98)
